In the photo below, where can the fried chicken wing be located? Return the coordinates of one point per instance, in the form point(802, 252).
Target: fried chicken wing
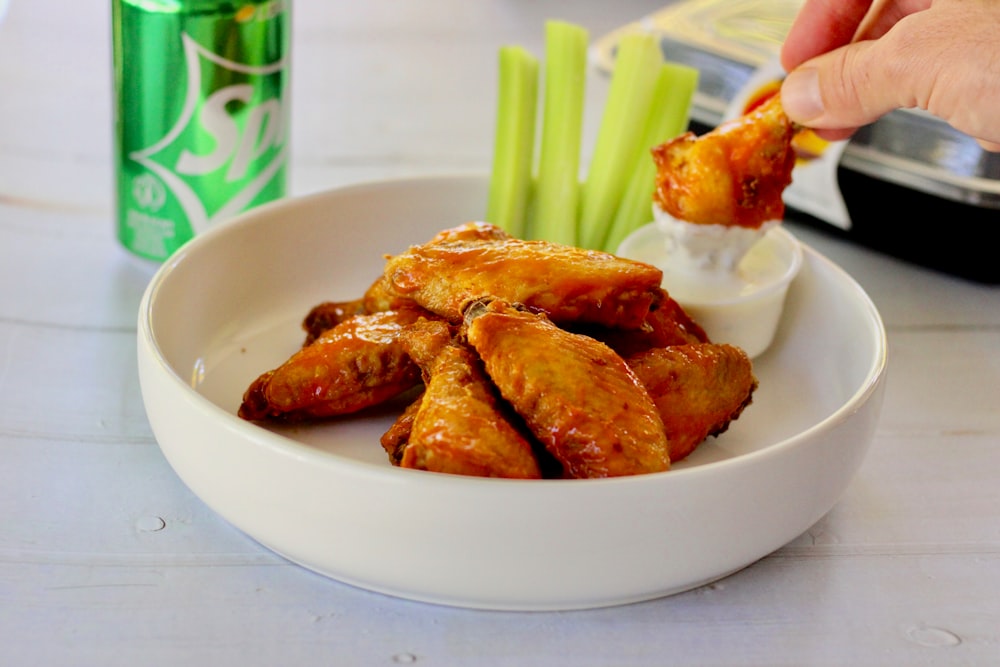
point(576, 395)
point(733, 175)
point(568, 284)
point(459, 426)
point(699, 389)
point(356, 364)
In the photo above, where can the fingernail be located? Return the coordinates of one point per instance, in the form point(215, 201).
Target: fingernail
point(800, 95)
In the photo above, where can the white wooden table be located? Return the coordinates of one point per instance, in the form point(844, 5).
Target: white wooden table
point(106, 558)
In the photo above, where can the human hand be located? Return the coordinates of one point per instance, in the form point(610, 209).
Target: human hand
point(852, 61)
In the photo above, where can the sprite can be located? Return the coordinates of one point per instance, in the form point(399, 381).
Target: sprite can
point(201, 115)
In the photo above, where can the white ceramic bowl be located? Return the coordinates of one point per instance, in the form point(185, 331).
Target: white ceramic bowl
point(229, 304)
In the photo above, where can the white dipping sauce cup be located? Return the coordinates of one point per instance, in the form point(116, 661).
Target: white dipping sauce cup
point(738, 302)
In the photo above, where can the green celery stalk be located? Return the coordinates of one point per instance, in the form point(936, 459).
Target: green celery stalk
point(637, 67)
point(553, 215)
point(514, 140)
point(669, 115)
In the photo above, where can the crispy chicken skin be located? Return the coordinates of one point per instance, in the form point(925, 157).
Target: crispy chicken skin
point(667, 323)
point(472, 231)
point(381, 295)
point(395, 438)
point(459, 425)
point(733, 175)
point(356, 364)
point(568, 284)
point(699, 389)
point(325, 316)
point(576, 395)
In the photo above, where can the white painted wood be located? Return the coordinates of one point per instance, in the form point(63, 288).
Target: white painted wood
point(107, 559)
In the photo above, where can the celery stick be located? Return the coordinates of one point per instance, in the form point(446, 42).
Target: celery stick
point(553, 214)
point(637, 67)
point(669, 115)
point(514, 140)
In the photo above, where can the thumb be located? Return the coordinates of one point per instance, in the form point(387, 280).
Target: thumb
point(942, 59)
point(841, 90)
point(990, 146)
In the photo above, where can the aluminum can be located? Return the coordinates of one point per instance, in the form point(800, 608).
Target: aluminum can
point(200, 115)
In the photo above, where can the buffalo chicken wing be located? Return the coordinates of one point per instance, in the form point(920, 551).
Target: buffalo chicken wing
point(566, 283)
point(459, 425)
point(733, 175)
point(577, 396)
point(698, 389)
point(356, 364)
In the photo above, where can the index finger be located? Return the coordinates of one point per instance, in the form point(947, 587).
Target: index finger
point(820, 26)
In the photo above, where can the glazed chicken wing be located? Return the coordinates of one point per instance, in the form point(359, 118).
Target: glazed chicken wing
point(699, 389)
point(568, 284)
point(575, 394)
point(356, 364)
point(458, 426)
point(734, 175)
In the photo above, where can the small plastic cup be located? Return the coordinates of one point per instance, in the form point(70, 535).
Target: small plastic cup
point(741, 302)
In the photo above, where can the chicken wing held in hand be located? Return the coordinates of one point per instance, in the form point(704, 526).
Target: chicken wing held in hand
point(575, 394)
point(733, 175)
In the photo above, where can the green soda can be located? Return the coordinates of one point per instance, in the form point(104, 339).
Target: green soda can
point(201, 115)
